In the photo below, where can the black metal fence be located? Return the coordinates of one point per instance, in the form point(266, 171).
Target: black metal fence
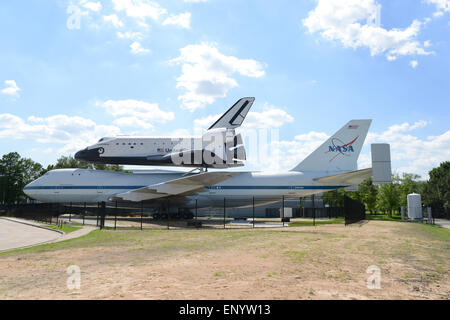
point(354, 211)
point(222, 213)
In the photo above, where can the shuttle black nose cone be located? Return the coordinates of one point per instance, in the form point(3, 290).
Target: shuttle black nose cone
point(80, 155)
point(87, 155)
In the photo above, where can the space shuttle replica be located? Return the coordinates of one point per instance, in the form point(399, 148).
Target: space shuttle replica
point(219, 147)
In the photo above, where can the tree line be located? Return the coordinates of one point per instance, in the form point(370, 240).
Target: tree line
point(16, 172)
point(388, 198)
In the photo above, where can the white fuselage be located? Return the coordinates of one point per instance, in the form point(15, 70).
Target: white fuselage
point(141, 146)
point(81, 185)
point(165, 151)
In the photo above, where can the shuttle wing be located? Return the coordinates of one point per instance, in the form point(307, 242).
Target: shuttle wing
point(178, 187)
point(348, 178)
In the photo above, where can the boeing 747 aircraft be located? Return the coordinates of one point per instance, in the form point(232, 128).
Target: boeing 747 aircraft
point(219, 147)
point(331, 166)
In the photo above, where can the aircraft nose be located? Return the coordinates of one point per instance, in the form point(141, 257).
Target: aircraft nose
point(28, 189)
point(80, 154)
point(87, 154)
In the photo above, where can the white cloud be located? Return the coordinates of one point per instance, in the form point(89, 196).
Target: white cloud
point(270, 117)
point(140, 9)
point(441, 6)
point(11, 88)
point(195, 1)
point(413, 63)
point(205, 122)
point(114, 19)
point(134, 113)
point(182, 20)
point(410, 153)
point(136, 48)
point(206, 74)
point(133, 122)
point(289, 153)
point(130, 35)
point(406, 127)
point(346, 21)
point(93, 6)
point(133, 17)
point(72, 133)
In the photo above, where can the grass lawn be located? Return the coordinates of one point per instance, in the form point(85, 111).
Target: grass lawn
point(384, 217)
point(65, 228)
point(326, 262)
point(318, 222)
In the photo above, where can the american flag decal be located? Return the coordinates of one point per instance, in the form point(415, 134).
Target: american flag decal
point(353, 127)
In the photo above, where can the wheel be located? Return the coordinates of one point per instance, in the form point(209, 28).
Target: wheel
point(187, 215)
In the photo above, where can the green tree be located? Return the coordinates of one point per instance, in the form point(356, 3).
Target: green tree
point(16, 173)
point(437, 191)
point(388, 198)
point(70, 162)
point(368, 194)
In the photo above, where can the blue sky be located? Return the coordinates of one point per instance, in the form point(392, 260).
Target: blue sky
point(74, 71)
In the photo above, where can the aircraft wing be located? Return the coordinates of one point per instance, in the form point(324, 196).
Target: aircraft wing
point(189, 185)
point(348, 178)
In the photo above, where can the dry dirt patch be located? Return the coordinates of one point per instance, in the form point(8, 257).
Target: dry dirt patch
point(325, 262)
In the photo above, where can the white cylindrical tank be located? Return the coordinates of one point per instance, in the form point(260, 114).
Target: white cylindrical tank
point(414, 206)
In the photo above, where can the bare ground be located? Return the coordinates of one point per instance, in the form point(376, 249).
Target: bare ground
point(325, 262)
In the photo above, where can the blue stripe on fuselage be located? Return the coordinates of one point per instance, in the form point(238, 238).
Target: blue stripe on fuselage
point(206, 187)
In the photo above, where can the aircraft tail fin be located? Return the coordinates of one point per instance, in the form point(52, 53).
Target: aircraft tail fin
point(234, 117)
point(340, 152)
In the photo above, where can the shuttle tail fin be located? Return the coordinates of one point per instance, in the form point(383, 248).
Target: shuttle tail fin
point(340, 152)
point(234, 117)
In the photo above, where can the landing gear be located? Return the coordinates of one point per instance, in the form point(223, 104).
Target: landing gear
point(182, 214)
point(156, 216)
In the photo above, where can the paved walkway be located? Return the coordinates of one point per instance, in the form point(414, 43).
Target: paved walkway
point(443, 223)
point(76, 234)
point(17, 233)
point(14, 235)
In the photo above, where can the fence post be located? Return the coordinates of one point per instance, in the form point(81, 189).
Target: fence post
point(253, 209)
point(314, 210)
point(282, 211)
point(98, 209)
point(142, 211)
point(224, 211)
point(196, 206)
point(168, 213)
point(84, 212)
point(115, 217)
point(102, 215)
point(70, 212)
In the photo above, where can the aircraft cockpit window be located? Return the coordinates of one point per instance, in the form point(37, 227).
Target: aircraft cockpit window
point(101, 139)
